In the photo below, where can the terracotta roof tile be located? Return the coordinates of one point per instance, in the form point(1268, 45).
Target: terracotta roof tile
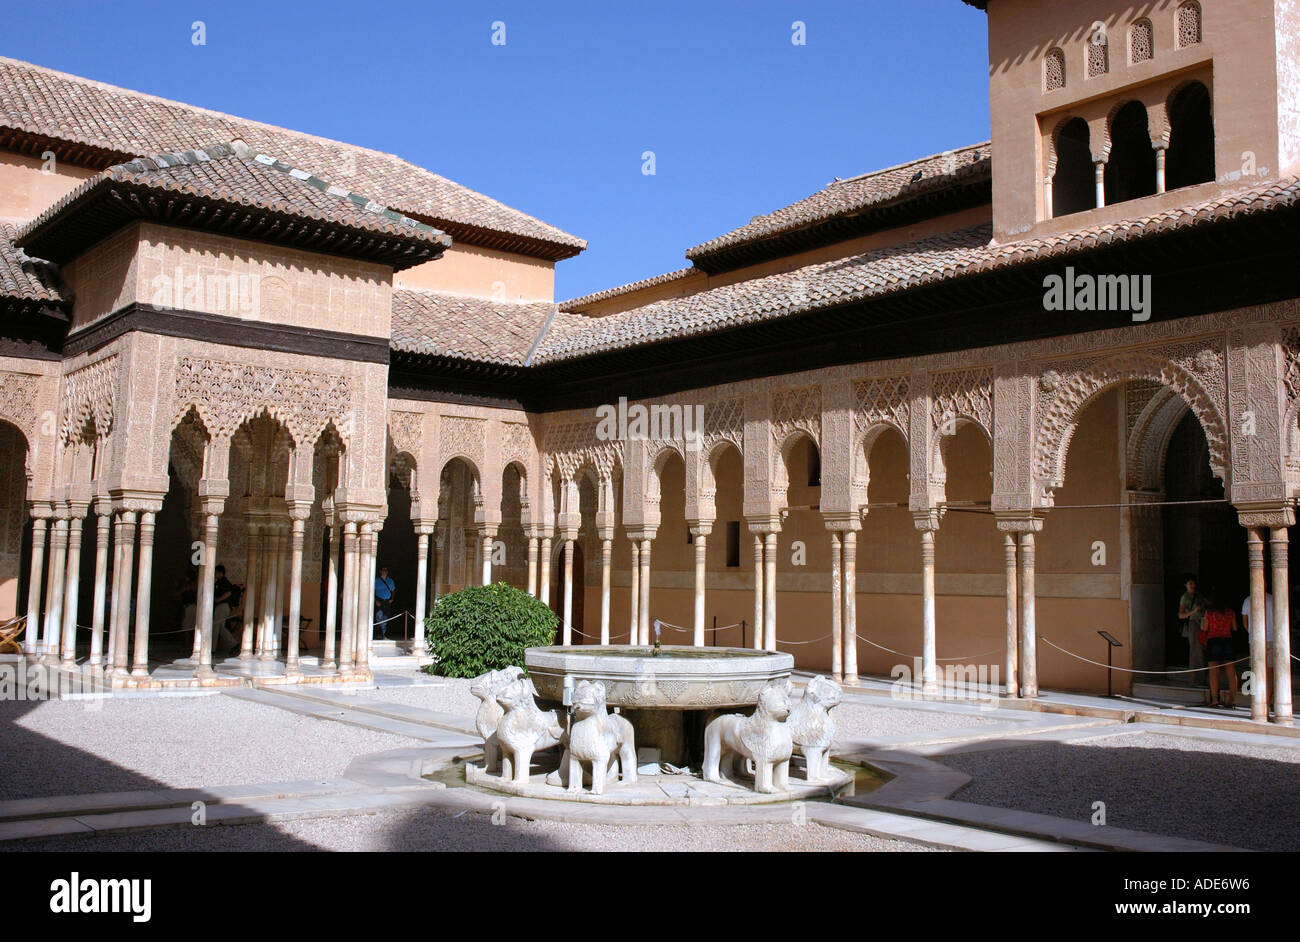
point(856, 194)
point(23, 278)
point(63, 107)
point(876, 274)
point(577, 304)
point(469, 328)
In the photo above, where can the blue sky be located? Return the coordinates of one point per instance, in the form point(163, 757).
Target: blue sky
point(554, 122)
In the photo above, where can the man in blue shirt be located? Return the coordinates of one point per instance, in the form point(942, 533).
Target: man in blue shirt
point(384, 588)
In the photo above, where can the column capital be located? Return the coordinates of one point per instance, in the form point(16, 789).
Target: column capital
point(927, 520)
point(644, 533)
point(1019, 522)
point(700, 527)
point(842, 522)
point(40, 511)
point(1265, 515)
point(764, 524)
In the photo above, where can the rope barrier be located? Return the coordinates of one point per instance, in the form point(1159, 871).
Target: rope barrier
point(968, 660)
point(1192, 670)
point(707, 628)
point(813, 641)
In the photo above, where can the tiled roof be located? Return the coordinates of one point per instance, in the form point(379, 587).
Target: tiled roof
point(62, 107)
point(586, 300)
point(236, 176)
point(23, 278)
point(860, 193)
point(469, 328)
point(878, 273)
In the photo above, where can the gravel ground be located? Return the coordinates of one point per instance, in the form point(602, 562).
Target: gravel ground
point(1223, 792)
point(63, 748)
point(443, 694)
point(433, 830)
point(867, 721)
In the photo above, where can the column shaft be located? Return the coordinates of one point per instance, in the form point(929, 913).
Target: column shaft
point(929, 662)
point(701, 557)
point(1258, 626)
point(103, 536)
point(1028, 635)
point(758, 591)
point(32, 632)
point(71, 591)
point(532, 567)
point(545, 587)
point(251, 593)
point(295, 595)
point(606, 559)
point(54, 589)
point(634, 618)
point(1012, 621)
point(328, 656)
point(143, 597)
point(123, 622)
point(645, 592)
point(568, 591)
point(850, 548)
point(421, 590)
point(347, 644)
point(207, 579)
point(837, 610)
point(1281, 629)
point(769, 591)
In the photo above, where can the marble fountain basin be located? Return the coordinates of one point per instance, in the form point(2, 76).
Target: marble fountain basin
point(678, 677)
point(669, 696)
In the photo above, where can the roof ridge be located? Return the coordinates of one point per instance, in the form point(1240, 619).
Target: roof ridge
point(429, 292)
point(606, 293)
point(908, 163)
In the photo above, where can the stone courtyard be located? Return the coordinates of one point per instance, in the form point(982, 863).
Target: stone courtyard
point(341, 769)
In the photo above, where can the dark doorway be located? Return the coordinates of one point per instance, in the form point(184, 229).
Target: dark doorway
point(1074, 185)
point(1131, 169)
point(1190, 159)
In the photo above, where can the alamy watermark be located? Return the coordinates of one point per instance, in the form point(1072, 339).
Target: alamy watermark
point(656, 422)
point(233, 294)
point(35, 682)
point(1083, 292)
point(979, 682)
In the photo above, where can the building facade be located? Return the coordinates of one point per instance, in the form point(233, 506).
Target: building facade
point(969, 411)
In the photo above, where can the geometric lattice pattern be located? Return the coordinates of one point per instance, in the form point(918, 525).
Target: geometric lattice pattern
point(1189, 24)
point(964, 393)
point(883, 400)
point(88, 401)
point(1054, 70)
point(1141, 41)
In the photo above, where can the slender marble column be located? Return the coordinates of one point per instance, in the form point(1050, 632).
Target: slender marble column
point(568, 590)
point(143, 597)
point(645, 592)
point(32, 633)
point(1012, 621)
point(115, 590)
point(421, 589)
point(251, 594)
point(366, 637)
point(295, 595)
point(532, 566)
point(929, 663)
point(328, 656)
point(634, 619)
point(487, 556)
point(54, 590)
point(1281, 629)
point(758, 591)
point(347, 643)
point(270, 595)
point(207, 580)
point(103, 536)
point(837, 610)
point(123, 622)
point(1258, 626)
point(1099, 179)
point(606, 559)
point(545, 594)
point(850, 547)
point(701, 537)
point(71, 590)
point(769, 591)
point(1028, 634)
point(1160, 150)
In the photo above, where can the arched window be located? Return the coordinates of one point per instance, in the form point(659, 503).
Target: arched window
point(1073, 189)
point(1190, 158)
point(1189, 24)
point(1098, 47)
point(1141, 41)
point(1131, 169)
point(1053, 70)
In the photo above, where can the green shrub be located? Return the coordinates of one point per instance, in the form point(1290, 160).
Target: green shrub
point(484, 628)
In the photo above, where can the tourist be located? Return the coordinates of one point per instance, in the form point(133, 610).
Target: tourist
point(1217, 625)
point(1191, 609)
point(384, 588)
point(223, 594)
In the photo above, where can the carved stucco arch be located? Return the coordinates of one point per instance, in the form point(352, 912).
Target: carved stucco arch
point(785, 447)
point(943, 440)
point(1148, 443)
point(1049, 166)
point(866, 440)
point(1063, 399)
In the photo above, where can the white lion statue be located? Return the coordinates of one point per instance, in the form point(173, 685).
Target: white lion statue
point(763, 737)
point(813, 728)
point(597, 738)
point(485, 687)
point(523, 730)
